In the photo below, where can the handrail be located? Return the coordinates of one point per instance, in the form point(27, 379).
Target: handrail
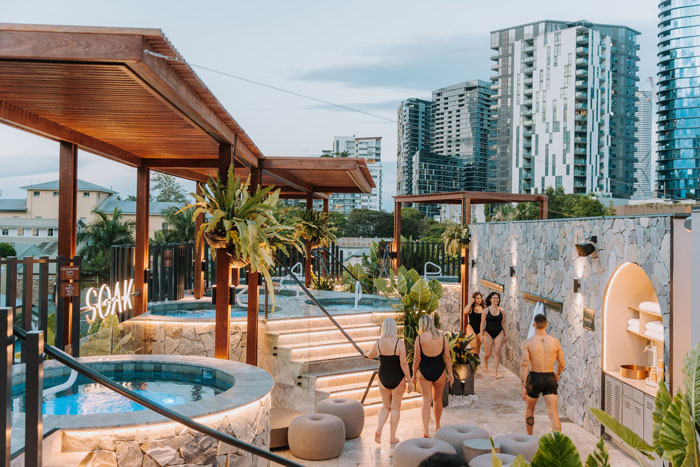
point(86, 371)
point(325, 312)
point(335, 258)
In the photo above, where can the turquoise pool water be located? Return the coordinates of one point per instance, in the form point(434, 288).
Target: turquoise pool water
point(87, 397)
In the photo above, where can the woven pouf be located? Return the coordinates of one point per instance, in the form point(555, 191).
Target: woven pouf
point(316, 437)
point(484, 460)
point(411, 452)
point(279, 425)
point(350, 411)
point(457, 434)
point(519, 443)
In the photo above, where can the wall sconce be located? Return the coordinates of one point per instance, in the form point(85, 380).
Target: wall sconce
point(688, 224)
point(512, 271)
point(473, 263)
point(577, 285)
point(588, 248)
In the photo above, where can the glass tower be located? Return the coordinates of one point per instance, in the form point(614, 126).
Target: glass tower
point(678, 111)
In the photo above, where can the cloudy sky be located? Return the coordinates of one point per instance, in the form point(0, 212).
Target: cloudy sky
point(363, 54)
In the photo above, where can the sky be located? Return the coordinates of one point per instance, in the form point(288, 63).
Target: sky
point(368, 55)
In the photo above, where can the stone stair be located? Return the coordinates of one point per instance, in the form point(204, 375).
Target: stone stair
point(326, 364)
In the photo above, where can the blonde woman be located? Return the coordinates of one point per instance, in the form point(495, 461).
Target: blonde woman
point(431, 357)
point(394, 378)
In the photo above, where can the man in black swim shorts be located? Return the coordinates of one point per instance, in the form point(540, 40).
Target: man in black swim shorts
point(538, 356)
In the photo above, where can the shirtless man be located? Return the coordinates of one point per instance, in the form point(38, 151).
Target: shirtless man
point(537, 373)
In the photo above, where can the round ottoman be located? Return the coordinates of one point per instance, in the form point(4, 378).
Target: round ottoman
point(519, 443)
point(411, 452)
point(316, 437)
point(474, 447)
point(457, 434)
point(350, 411)
point(279, 424)
point(484, 460)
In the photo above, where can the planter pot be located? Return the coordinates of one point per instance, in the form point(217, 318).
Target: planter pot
point(465, 241)
point(214, 240)
point(237, 262)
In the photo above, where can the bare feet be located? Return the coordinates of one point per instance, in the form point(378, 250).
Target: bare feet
point(378, 438)
point(497, 376)
point(394, 440)
point(426, 435)
point(437, 428)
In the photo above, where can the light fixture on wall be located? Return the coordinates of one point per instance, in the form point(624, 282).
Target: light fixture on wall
point(588, 248)
point(688, 224)
point(577, 285)
point(473, 263)
point(512, 271)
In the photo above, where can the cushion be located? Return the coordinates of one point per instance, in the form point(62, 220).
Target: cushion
point(519, 443)
point(484, 460)
point(350, 411)
point(279, 424)
point(316, 437)
point(457, 434)
point(411, 452)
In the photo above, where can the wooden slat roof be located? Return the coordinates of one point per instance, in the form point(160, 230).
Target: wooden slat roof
point(111, 92)
point(475, 197)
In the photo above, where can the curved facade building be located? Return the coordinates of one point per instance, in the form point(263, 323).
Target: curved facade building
point(678, 168)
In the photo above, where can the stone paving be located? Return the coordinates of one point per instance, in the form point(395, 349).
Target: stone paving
point(499, 409)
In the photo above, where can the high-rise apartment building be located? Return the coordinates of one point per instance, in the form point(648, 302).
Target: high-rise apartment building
point(678, 110)
point(461, 128)
point(644, 184)
point(564, 109)
point(369, 148)
point(436, 173)
point(414, 134)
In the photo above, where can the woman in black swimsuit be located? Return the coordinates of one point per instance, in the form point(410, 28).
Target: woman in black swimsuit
point(471, 321)
point(431, 356)
point(493, 331)
point(393, 377)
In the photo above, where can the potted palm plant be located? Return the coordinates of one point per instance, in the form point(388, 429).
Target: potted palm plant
point(243, 224)
point(312, 227)
point(464, 363)
point(454, 237)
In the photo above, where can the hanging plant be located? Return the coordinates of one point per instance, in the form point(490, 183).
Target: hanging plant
point(312, 227)
point(245, 225)
point(455, 237)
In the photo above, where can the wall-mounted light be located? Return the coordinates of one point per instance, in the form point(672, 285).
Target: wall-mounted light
point(473, 263)
point(588, 248)
point(512, 271)
point(688, 224)
point(577, 285)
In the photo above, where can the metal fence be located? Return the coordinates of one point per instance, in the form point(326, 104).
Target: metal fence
point(416, 254)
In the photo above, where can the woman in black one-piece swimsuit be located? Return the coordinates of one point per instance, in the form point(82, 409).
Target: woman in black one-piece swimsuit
point(472, 319)
point(493, 332)
point(393, 377)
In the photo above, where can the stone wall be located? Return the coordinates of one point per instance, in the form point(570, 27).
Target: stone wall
point(448, 309)
point(546, 264)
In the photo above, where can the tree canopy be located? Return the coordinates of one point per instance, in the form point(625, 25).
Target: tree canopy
point(178, 228)
point(560, 205)
point(369, 223)
point(96, 242)
point(6, 249)
point(169, 190)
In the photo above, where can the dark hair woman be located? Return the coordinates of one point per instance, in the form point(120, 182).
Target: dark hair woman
point(471, 320)
point(493, 332)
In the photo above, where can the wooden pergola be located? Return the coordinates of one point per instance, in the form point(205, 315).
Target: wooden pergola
point(126, 94)
point(466, 199)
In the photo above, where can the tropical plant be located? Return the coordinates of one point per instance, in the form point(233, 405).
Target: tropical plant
point(179, 227)
point(313, 227)
point(244, 224)
point(461, 350)
point(366, 271)
point(556, 449)
point(96, 242)
point(454, 237)
point(676, 420)
point(6, 249)
point(322, 283)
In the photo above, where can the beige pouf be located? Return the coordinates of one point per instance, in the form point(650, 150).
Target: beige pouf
point(519, 443)
point(350, 411)
point(279, 424)
point(475, 447)
point(457, 434)
point(484, 460)
point(411, 452)
point(316, 437)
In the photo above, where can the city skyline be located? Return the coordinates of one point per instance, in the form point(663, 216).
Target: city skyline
point(373, 72)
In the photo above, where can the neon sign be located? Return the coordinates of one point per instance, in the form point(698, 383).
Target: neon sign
point(104, 302)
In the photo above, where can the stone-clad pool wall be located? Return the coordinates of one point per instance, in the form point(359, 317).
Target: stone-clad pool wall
point(544, 257)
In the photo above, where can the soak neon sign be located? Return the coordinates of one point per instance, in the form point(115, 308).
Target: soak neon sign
point(104, 302)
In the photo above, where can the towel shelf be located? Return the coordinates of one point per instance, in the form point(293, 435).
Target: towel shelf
point(644, 336)
point(652, 313)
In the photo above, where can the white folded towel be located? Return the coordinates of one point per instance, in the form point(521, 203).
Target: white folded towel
point(633, 328)
point(654, 326)
point(655, 335)
point(652, 307)
point(633, 322)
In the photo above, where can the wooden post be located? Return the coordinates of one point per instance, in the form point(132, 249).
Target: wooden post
point(308, 259)
point(67, 222)
point(198, 285)
point(466, 218)
point(222, 330)
point(325, 213)
point(141, 253)
point(544, 207)
point(397, 236)
point(253, 289)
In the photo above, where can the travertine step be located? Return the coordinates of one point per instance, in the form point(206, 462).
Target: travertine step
point(330, 333)
point(349, 361)
point(325, 351)
point(317, 322)
point(336, 377)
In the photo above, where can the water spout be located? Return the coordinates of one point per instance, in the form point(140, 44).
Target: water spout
point(358, 294)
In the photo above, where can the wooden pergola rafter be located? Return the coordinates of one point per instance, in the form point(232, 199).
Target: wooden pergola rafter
point(127, 94)
point(466, 199)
